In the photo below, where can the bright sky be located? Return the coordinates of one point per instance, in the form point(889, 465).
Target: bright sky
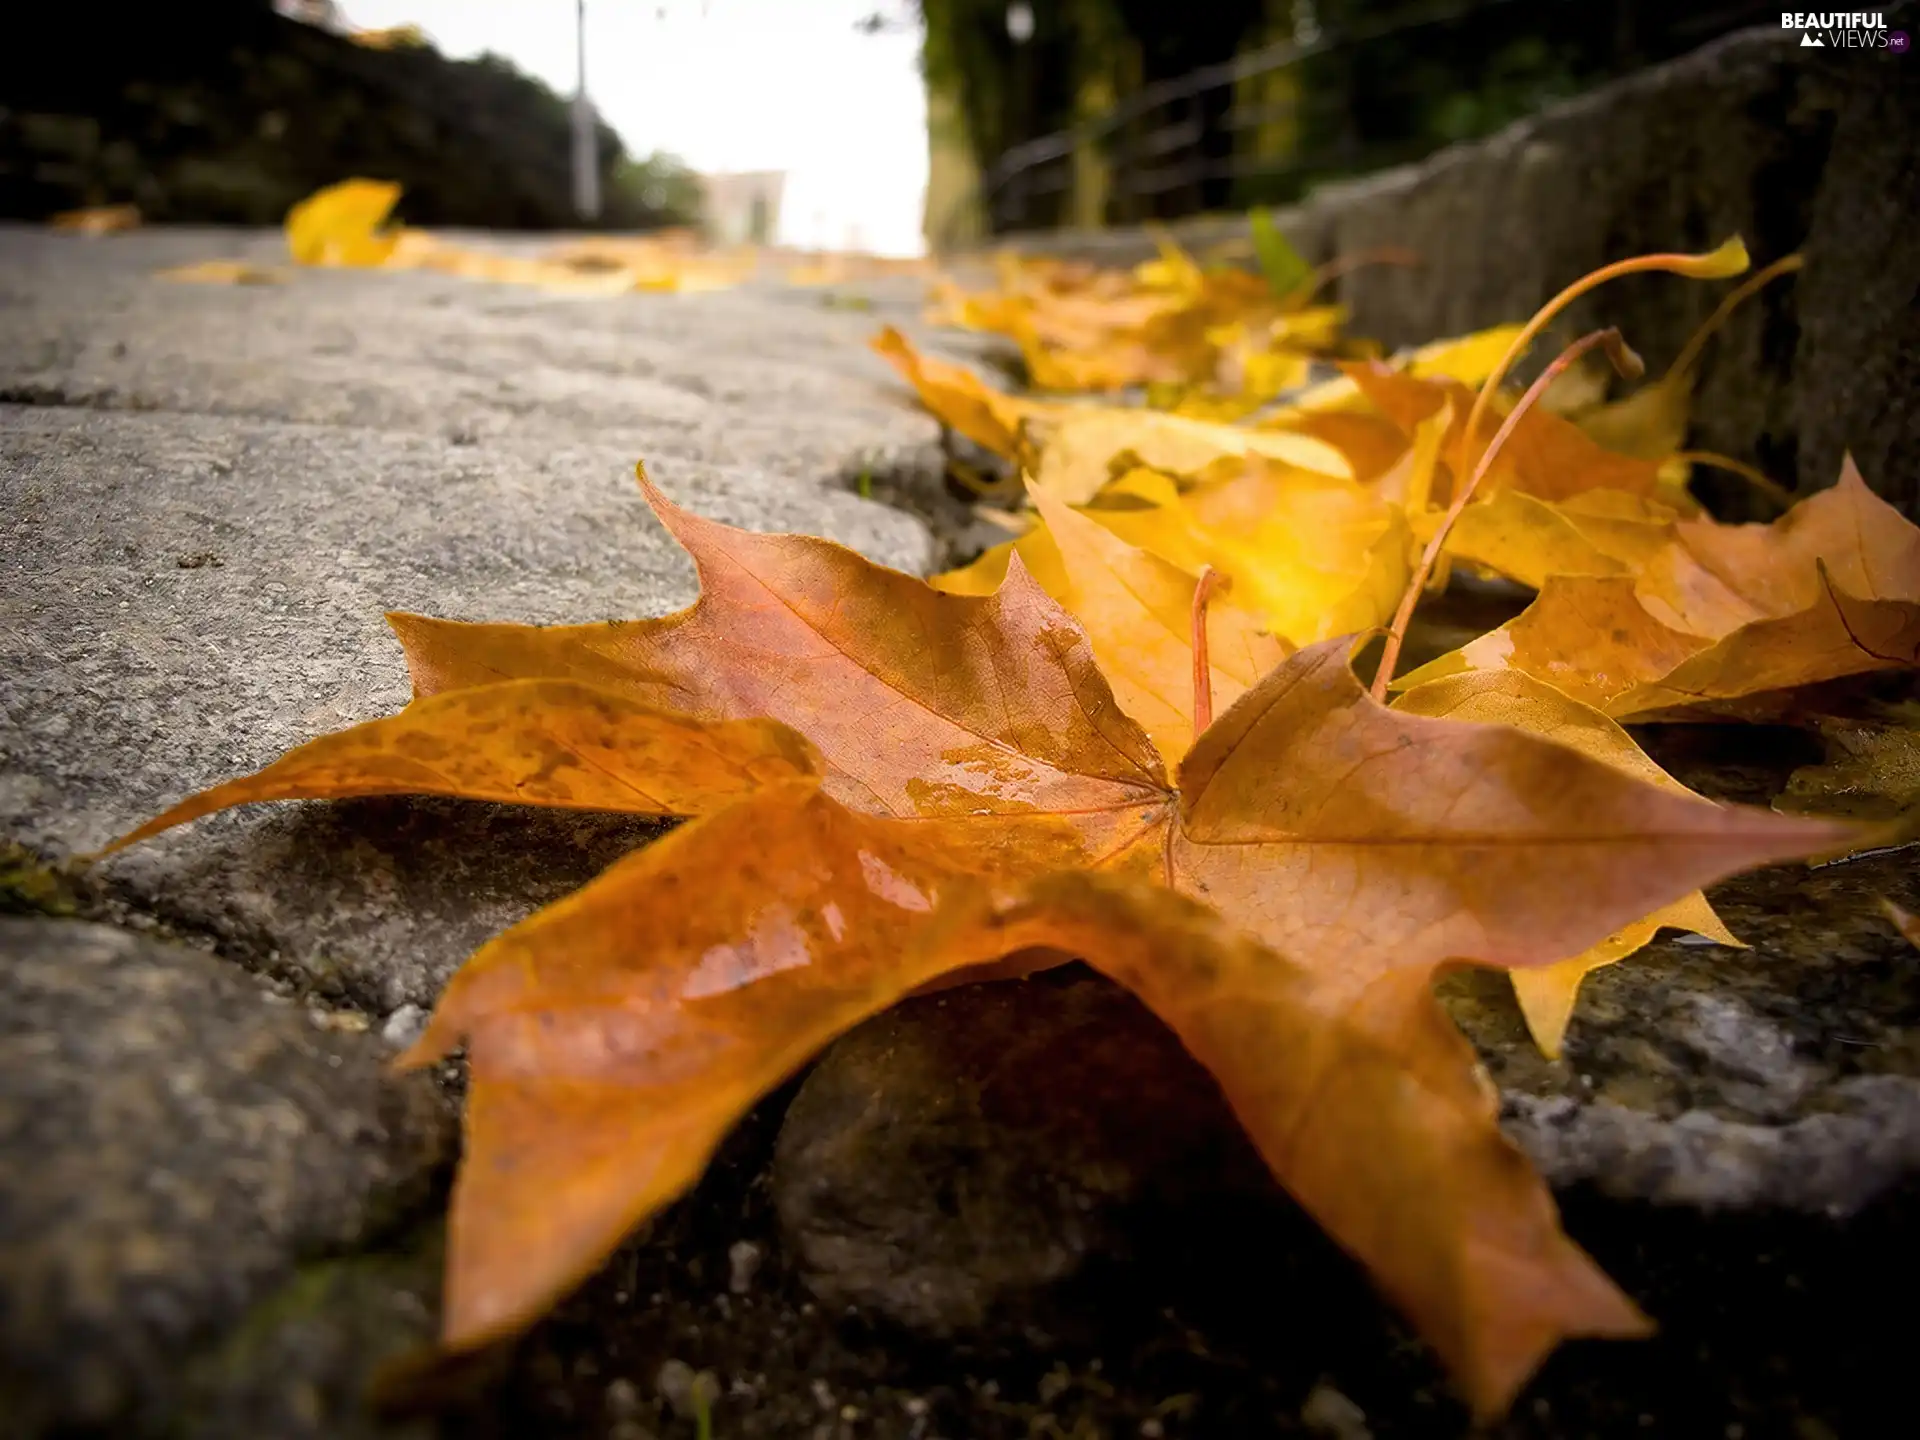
point(732, 85)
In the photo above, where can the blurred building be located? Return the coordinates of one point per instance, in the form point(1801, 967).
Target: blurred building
point(743, 208)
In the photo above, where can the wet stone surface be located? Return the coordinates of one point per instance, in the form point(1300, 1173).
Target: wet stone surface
point(178, 1150)
point(1218, 1310)
point(953, 1158)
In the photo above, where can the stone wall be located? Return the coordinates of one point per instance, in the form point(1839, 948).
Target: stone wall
point(1793, 149)
point(227, 112)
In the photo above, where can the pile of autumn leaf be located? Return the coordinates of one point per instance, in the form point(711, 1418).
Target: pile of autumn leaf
point(1133, 735)
point(349, 226)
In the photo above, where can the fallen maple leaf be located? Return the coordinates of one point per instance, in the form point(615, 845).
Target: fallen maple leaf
point(1546, 456)
point(1725, 616)
point(603, 1076)
point(958, 398)
point(1138, 612)
point(1715, 578)
point(974, 741)
point(525, 742)
point(1547, 992)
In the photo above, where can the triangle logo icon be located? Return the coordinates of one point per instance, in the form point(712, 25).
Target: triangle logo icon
point(1808, 41)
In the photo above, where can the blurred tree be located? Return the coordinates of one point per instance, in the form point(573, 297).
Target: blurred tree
point(653, 192)
point(236, 116)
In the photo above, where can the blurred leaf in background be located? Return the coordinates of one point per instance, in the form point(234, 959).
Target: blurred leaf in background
point(1283, 266)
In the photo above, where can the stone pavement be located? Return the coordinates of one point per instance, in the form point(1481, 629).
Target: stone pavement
point(208, 497)
point(212, 495)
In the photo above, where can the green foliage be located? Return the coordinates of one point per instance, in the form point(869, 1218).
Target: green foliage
point(1518, 79)
point(1012, 92)
point(1398, 79)
point(656, 191)
point(1279, 261)
point(30, 887)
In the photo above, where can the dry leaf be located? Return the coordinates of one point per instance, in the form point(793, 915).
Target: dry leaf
point(1596, 532)
point(223, 272)
point(1546, 456)
point(1313, 556)
point(1725, 617)
point(97, 220)
point(964, 738)
point(1310, 556)
point(546, 742)
point(1137, 610)
point(340, 225)
point(958, 398)
point(1547, 992)
point(1715, 578)
point(1078, 450)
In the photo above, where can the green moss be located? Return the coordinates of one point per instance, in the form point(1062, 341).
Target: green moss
point(29, 886)
point(309, 1354)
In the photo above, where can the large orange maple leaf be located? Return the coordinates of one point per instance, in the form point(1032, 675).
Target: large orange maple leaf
point(897, 785)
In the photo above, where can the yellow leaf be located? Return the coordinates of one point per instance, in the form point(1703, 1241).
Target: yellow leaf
point(1314, 555)
point(1137, 610)
point(1547, 993)
point(1597, 532)
point(222, 272)
point(985, 575)
point(340, 225)
point(1077, 454)
point(1506, 697)
point(958, 398)
point(1468, 359)
point(1135, 507)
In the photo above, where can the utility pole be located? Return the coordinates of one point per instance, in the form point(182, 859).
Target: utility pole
point(586, 152)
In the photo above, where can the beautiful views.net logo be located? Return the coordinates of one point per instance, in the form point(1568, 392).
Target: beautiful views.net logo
point(1843, 30)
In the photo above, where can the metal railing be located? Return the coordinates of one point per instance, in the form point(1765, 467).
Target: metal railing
point(1178, 146)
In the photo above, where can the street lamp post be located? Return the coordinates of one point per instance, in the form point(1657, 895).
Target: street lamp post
point(586, 153)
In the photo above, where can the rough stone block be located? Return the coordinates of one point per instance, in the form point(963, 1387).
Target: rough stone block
point(176, 1144)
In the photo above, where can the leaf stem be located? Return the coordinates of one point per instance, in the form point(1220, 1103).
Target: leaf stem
point(1765, 484)
point(1211, 583)
point(1690, 352)
point(1629, 366)
point(1729, 259)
